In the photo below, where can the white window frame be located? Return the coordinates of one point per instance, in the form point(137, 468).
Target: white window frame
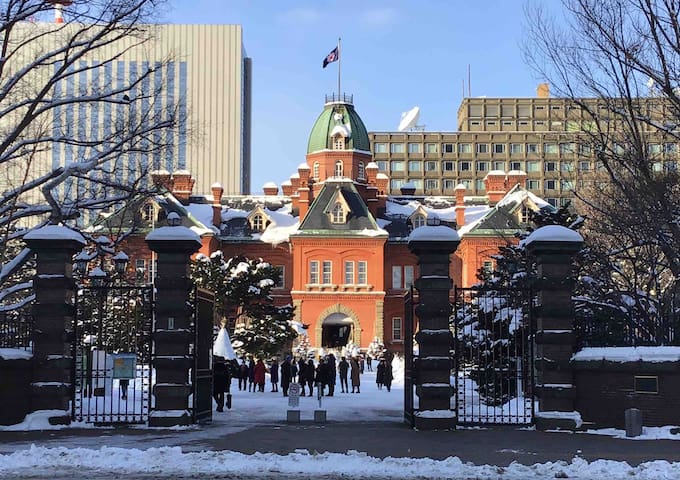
point(349, 272)
point(314, 272)
point(397, 330)
point(362, 272)
point(326, 272)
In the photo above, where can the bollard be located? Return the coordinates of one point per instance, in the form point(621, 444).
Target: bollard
point(633, 422)
point(319, 416)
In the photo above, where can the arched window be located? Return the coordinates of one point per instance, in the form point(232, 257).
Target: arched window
point(339, 142)
point(419, 221)
point(257, 223)
point(338, 168)
point(315, 171)
point(338, 213)
point(361, 170)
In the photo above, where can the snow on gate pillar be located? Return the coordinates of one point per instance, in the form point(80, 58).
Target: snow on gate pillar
point(554, 248)
point(172, 336)
point(53, 314)
point(434, 245)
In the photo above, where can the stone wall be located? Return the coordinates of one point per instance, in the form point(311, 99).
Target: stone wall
point(15, 389)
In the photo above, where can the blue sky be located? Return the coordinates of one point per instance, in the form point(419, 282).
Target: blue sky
point(395, 55)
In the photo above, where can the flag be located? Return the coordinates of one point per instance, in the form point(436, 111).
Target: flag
point(331, 57)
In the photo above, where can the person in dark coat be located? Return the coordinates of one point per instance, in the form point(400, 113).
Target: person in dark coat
point(388, 373)
point(286, 376)
point(293, 370)
point(243, 375)
point(274, 375)
point(380, 374)
point(260, 371)
point(330, 378)
point(355, 370)
point(321, 375)
point(302, 378)
point(369, 362)
point(251, 375)
point(219, 383)
point(343, 368)
point(310, 372)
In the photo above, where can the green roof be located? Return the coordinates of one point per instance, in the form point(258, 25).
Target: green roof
point(320, 137)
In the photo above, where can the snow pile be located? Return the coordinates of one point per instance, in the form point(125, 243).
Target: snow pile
point(222, 346)
point(15, 354)
point(629, 354)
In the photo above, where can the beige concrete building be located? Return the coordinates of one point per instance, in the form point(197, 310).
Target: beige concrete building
point(545, 137)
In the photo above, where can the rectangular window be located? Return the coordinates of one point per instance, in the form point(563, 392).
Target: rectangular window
point(482, 148)
point(567, 148)
point(642, 383)
point(533, 166)
point(396, 277)
point(584, 149)
point(467, 182)
point(349, 272)
point(408, 276)
point(382, 165)
point(499, 165)
point(447, 148)
point(464, 148)
point(540, 107)
point(396, 166)
point(507, 123)
point(566, 185)
point(475, 123)
point(431, 184)
point(449, 184)
point(533, 184)
point(523, 111)
point(550, 184)
point(449, 166)
point(550, 148)
point(670, 147)
point(490, 123)
point(430, 148)
point(654, 148)
point(532, 147)
point(584, 165)
point(550, 166)
point(498, 148)
point(380, 147)
point(508, 110)
point(416, 182)
point(482, 166)
point(516, 148)
point(413, 148)
point(430, 166)
point(414, 165)
point(396, 183)
point(314, 272)
point(396, 329)
point(282, 278)
point(566, 166)
point(396, 148)
point(516, 166)
point(326, 273)
point(479, 183)
point(487, 266)
point(465, 166)
point(362, 272)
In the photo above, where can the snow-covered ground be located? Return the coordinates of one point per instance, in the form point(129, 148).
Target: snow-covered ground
point(147, 454)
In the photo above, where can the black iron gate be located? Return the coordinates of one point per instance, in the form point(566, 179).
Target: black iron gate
point(409, 360)
point(112, 354)
point(201, 373)
point(494, 372)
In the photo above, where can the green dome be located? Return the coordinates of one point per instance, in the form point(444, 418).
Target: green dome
point(338, 116)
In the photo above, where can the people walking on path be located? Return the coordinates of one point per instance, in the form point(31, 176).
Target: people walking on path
point(331, 374)
point(388, 373)
point(343, 369)
point(321, 378)
point(369, 362)
point(354, 374)
point(219, 382)
point(259, 377)
point(243, 375)
point(293, 371)
point(302, 379)
point(380, 374)
point(251, 374)
point(286, 376)
point(274, 375)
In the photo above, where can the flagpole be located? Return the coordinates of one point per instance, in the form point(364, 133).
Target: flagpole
point(339, 62)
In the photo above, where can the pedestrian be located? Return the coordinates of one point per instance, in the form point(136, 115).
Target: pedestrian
point(274, 375)
point(285, 376)
point(124, 383)
point(219, 382)
point(302, 379)
point(293, 371)
point(388, 373)
point(251, 374)
point(259, 376)
point(362, 363)
point(321, 375)
point(242, 375)
point(331, 374)
point(355, 370)
point(343, 368)
point(380, 374)
point(369, 362)
point(310, 372)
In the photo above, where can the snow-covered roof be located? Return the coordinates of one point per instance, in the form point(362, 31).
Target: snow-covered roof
point(270, 185)
point(303, 166)
point(282, 225)
point(54, 232)
point(173, 233)
point(629, 354)
point(554, 233)
point(435, 233)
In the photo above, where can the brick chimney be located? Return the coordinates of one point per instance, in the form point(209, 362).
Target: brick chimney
point(495, 186)
point(182, 186)
point(515, 177)
point(543, 90)
point(408, 189)
point(287, 188)
point(305, 195)
point(371, 172)
point(381, 182)
point(217, 192)
point(162, 178)
point(270, 189)
point(460, 190)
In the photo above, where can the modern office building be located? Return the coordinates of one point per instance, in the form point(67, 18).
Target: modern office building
point(545, 137)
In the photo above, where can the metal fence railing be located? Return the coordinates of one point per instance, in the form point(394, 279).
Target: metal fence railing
point(16, 330)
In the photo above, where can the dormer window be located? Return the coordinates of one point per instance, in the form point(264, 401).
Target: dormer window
point(362, 172)
point(524, 215)
point(257, 223)
point(338, 169)
point(147, 212)
point(418, 221)
point(339, 142)
point(315, 170)
point(338, 213)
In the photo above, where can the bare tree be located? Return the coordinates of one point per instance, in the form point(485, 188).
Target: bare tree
point(618, 61)
point(82, 119)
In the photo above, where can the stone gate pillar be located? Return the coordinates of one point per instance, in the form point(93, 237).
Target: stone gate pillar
point(434, 245)
point(53, 316)
point(554, 248)
point(172, 336)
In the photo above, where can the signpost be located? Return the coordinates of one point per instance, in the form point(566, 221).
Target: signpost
point(294, 395)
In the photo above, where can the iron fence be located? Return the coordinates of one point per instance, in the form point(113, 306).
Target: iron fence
point(16, 330)
point(616, 330)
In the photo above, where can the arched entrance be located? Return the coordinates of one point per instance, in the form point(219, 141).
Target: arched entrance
point(336, 330)
point(336, 327)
